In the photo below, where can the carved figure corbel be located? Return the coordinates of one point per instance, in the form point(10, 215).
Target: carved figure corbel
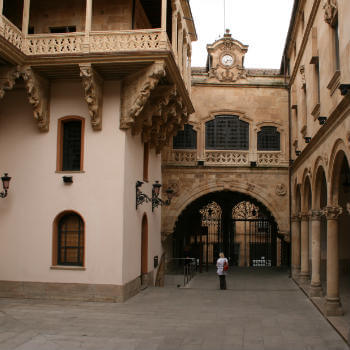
point(38, 91)
point(330, 10)
point(93, 89)
point(8, 78)
point(281, 190)
point(136, 91)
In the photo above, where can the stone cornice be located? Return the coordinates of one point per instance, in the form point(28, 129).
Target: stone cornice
point(241, 85)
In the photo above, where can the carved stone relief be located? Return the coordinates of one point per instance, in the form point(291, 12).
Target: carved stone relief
point(8, 78)
point(330, 10)
point(281, 190)
point(228, 74)
point(93, 89)
point(302, 75)
point(38, 90)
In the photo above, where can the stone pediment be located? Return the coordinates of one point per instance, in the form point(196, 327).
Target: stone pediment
point(226, 59)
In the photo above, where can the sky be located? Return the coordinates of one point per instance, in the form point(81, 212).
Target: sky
point(261, 24)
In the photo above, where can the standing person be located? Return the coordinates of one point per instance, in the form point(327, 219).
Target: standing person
point(221, 271)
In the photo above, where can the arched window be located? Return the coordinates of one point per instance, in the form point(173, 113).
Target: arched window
point(70, 144)
point(269, 139)
point(186, 138)
point(227, 132)
point(68, 240)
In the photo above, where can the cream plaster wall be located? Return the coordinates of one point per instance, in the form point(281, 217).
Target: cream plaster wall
point(133, 171)
point(38, 194)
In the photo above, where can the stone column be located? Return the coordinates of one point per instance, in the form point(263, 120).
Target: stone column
point(179, 47)
point(189, 72)
point(25, 17)
point(316, 288)
point(333, 305)
point(174, 28)
point(88, 24)
point(304, 234)
point(295, 246)
point(184, 62)
point(164, 13)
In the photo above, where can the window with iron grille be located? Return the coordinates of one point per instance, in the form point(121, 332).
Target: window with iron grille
point(186, 138)
point(227, 132)
point(71, 145)
point(269, 139)
point(70, 240)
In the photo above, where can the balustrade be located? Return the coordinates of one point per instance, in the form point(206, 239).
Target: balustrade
point(12, 34)
point(182, 157)
point(269, 158)
point(226, 158)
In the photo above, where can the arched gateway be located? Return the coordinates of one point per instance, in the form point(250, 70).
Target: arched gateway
point(232, 222)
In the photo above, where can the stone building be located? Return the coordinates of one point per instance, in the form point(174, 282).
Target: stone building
point(90, 93)
point(317, 59)
point(234, 150)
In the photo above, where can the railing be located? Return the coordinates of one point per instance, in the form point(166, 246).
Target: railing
point(182, 157)
point(12, 34)
point(182, 266)
point(228, 158)
point(269, 158)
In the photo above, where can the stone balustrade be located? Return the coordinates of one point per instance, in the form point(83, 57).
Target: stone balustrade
point(227, 158)
point(269, 158)
point(12, 34)
point(182, 157)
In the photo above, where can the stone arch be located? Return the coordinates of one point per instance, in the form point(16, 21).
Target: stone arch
point(306, 192)
point(244, 188)
point(319, 182)
point(339, 153)
point(296, 203)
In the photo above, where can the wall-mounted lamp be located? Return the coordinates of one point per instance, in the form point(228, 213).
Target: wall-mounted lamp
point(322, 120)
point(344, 89)
point(156, 201)
point(297, 153)
point(67, 179)
point(307, 139)
point(5, 185)
point(140, 196)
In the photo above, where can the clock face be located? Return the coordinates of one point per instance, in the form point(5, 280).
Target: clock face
point(227, 60)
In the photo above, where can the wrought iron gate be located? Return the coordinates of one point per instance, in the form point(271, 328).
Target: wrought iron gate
point(253, 243)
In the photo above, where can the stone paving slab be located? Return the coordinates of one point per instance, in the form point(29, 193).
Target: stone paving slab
point(261, 310)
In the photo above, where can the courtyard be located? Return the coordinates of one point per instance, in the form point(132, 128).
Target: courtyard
point(262, 309)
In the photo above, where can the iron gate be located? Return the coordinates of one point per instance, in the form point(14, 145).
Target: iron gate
point(252, 242)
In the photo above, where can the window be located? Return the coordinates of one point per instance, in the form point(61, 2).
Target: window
point(186, 138)
point(227, 132)
point(64, 29)
point(145, 161)
point(268, 139)
point(70, 144)
point(68, 242)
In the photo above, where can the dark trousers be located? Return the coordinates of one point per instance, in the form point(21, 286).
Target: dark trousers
point(222, 281)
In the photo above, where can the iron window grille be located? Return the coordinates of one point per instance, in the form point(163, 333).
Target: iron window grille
point(186, 138)
point(227, 132)
point(70, 240)
point(71, 145)
point(269, 139)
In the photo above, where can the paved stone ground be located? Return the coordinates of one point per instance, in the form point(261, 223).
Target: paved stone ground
point(261, 310)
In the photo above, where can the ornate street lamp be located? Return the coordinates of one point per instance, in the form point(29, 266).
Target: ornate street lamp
point(5, 185)
point(140, 196)
point(156, 201)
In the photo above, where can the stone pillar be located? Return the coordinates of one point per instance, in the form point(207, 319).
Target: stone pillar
point(164, 13)
point(333, 305)
point(304, 240)
point(189, 72)
point(184, 62)
point(295, 246)
point(180, 37)
point(25, 17)
point(316, 288)
point(88, 17)
point(174, 28)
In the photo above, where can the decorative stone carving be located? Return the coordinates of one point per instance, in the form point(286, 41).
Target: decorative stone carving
point(93, 89)
point(281, 190)
point(8, 78)
point(228, 74)
point(330, 10)
point(304, 216)
point(173, 186)
point(316, 215)
point(250, 187)
point(38, 90)
point(332, 213)
point(348, 208)
point(296, 218)
point(302, 76)
point(136, 92)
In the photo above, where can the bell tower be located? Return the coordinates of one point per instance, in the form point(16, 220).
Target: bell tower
point(226, 58)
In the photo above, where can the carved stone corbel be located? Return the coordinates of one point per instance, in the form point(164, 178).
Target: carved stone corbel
point(38, 90)
point(93, 89)
point(8, 78)
point(330, 11)
point(137, 90)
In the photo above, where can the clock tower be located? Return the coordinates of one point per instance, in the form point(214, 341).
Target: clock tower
point(226, 57)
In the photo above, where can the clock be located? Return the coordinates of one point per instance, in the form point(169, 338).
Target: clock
point(227, 60)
